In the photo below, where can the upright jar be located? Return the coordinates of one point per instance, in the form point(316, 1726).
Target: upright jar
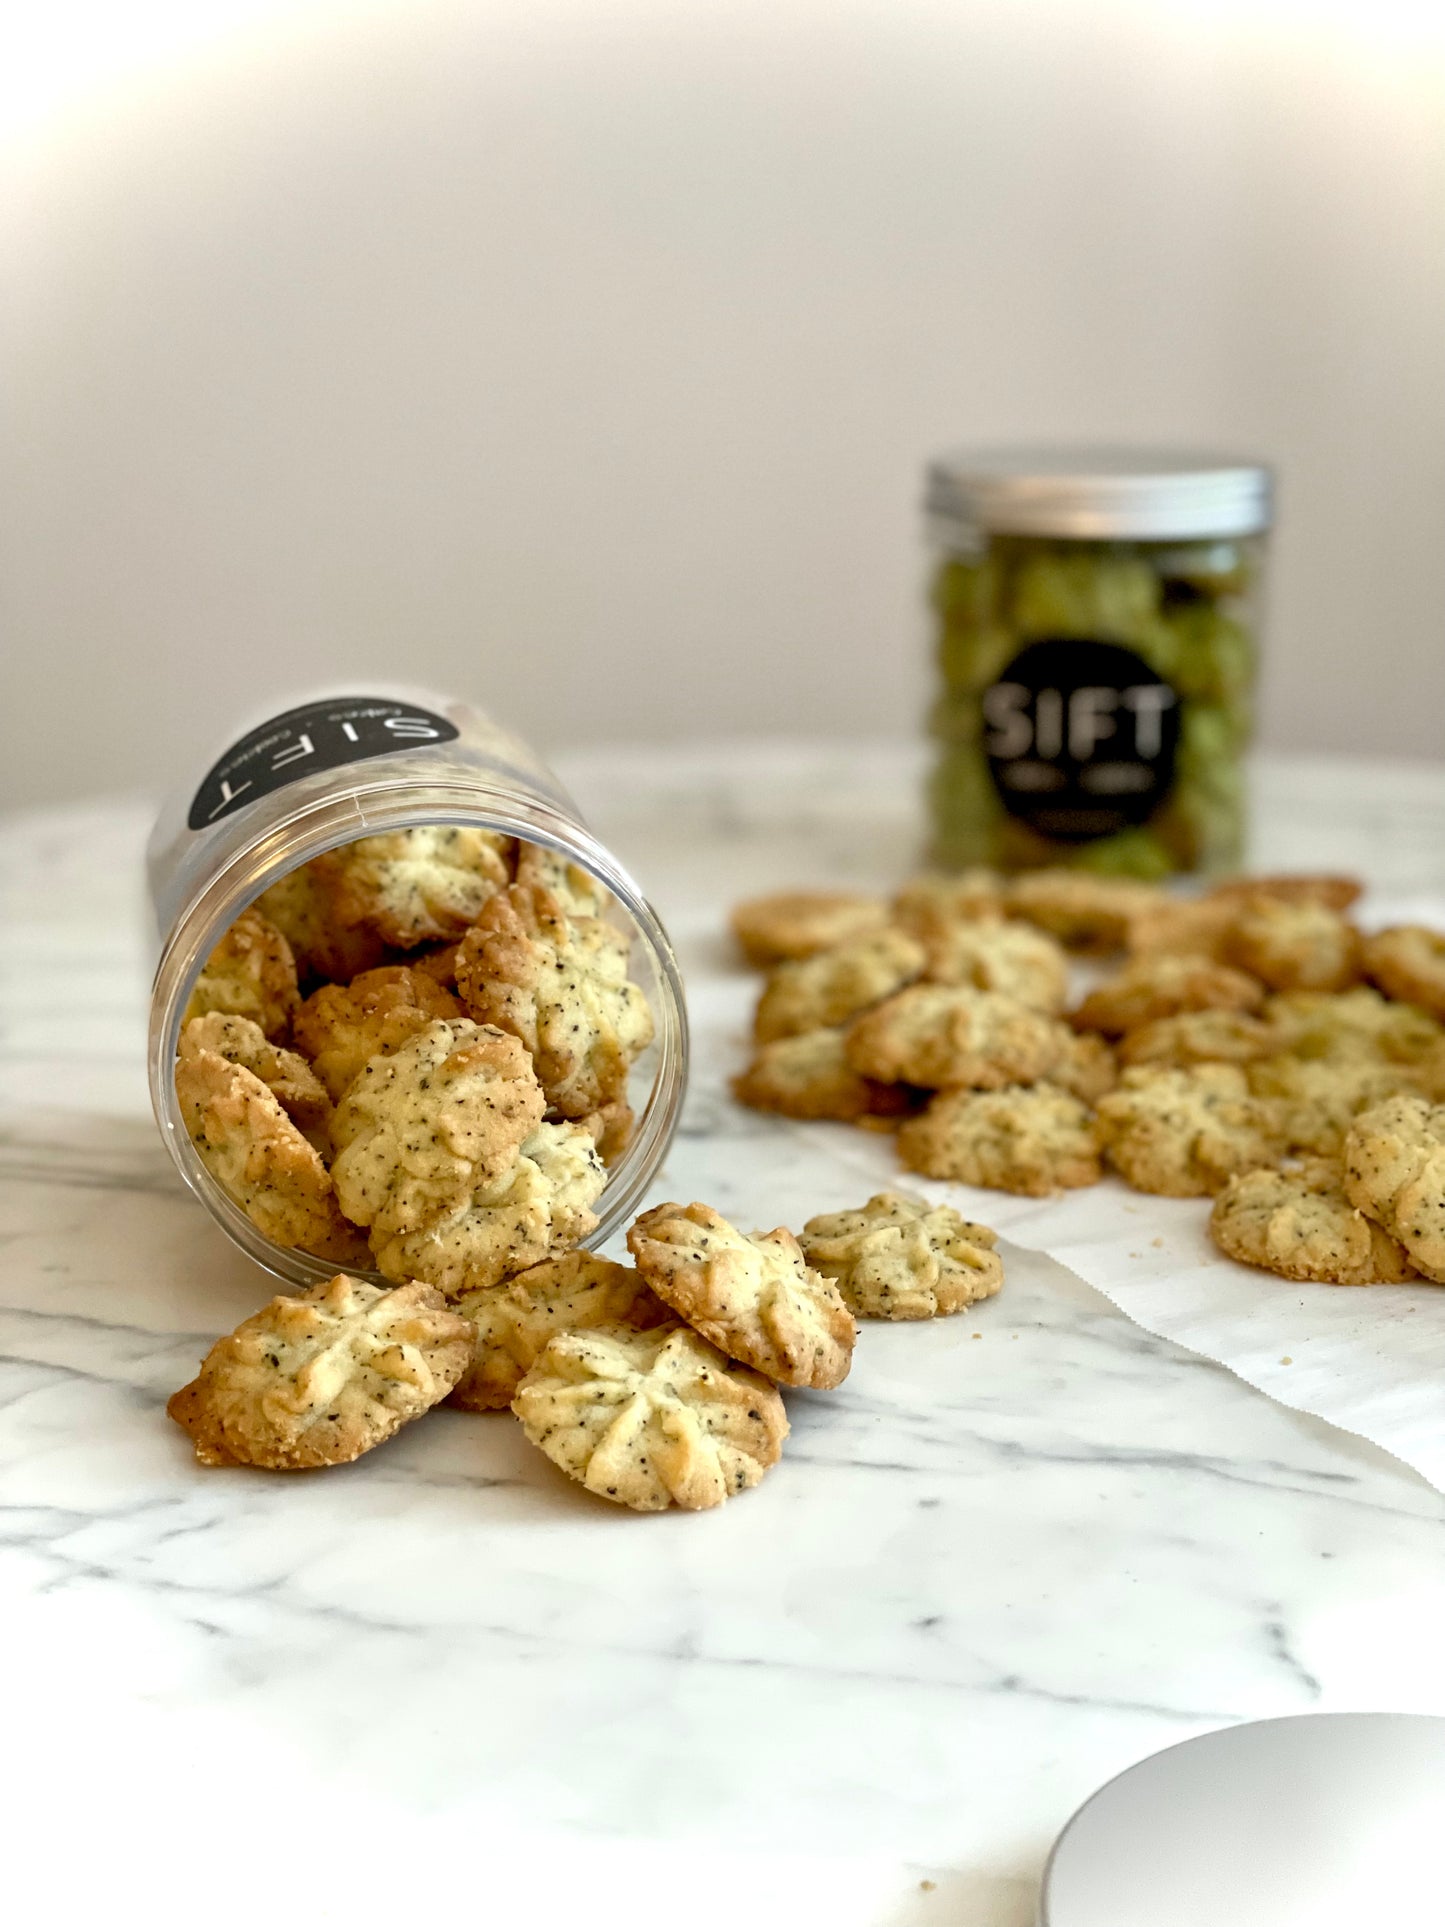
point(1096, 617)
point(337, 767)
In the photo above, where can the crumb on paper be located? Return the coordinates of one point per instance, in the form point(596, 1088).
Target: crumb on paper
point(1158, 1243)
point(927, 1886)
point(1286, 1361)
point(976, 1334)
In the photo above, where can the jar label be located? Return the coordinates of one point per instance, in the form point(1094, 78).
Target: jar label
point(1081, 737)
point(317, 736)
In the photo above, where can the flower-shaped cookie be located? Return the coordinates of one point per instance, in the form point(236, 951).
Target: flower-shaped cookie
point(651, 1419)
point(1295, 946)
point(302, 904)
point(1184, 1134)
point(992, 954)
point(901, 1257)
point(810, 1077)
point(799, 923)
point(821, 992)
point(540, 1206)
point(1395, 1174)
point(1408, 962)
point(341, 1026)
point(1299, 1222)
point(321, 1378)
point(288, 1076)
point(1031, 1139)
point(420, 1131)
point(423, 885)
point(513, 1323)
point(260, 1158)
point(560, 984)
point(753, 1297)
point(939, 1035)
point(250, 973)
point(1148, 988)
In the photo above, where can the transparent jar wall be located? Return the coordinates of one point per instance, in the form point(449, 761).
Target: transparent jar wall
point(1190, 610)
point(202, 878)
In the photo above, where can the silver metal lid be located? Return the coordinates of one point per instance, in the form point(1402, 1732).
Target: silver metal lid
point(1099, 494)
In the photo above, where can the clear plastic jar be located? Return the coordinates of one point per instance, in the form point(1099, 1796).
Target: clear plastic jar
point(1097, 621)
point(330, 770)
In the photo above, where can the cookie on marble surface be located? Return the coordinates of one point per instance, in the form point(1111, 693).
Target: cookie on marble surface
point(250, 973)
point(810, 1077)
point(302, 904)
point(1147, 988)
point(1298, 1221)
point(930, 904)
point(1085, 912)
point(940, 1035)
point(1407, 961)
point(1294, 946)
point(1185, 1133)
point(287, 1075)
point(261, 1160)
point(995, 954)
point(541, 1206)
point(1395, 1173)
point(340, 1027)
point(1032, 1140)
point(799, 923)
point(1317, 1099)
point(323, 1377)
point(560, 985)
point(423, 885)
point(1198, 1037)
point(513, 1322)
point(901, 1257)
point(651, 1419)
point(753, 1297)
point(420, 1130)
point(824, 991)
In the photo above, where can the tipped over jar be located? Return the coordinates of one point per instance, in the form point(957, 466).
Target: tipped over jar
point(410, 1018)
point(1096, 623)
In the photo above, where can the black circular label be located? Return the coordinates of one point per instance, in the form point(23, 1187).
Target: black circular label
point(320, 735)
point(1080, 737)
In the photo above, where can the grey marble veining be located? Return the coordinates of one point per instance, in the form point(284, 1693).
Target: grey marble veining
point(1014, 1553)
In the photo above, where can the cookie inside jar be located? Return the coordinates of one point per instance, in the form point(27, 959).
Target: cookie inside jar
point(420, 1054)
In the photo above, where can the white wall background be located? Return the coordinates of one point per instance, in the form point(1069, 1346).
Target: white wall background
point(583, 357)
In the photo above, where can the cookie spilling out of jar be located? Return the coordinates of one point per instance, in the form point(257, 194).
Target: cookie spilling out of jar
point(411, 1055)
point(655, 1384)
point(1034, 1033)
point(1096, 630)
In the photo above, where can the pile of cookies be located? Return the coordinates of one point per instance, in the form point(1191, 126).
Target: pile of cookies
point(652, 1386)
point(440, 1107)
point(442, 1103)
point(1250, 1044)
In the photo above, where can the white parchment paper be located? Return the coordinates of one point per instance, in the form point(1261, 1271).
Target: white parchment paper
point(1368, 1358)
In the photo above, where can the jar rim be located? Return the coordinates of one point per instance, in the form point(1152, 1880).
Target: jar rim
point(1099, 494)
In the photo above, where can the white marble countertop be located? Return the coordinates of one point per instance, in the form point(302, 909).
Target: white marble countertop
point(1016, 1552)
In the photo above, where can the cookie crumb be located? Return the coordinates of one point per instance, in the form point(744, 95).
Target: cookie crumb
point(927, 1886)
point(1286, 1361)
